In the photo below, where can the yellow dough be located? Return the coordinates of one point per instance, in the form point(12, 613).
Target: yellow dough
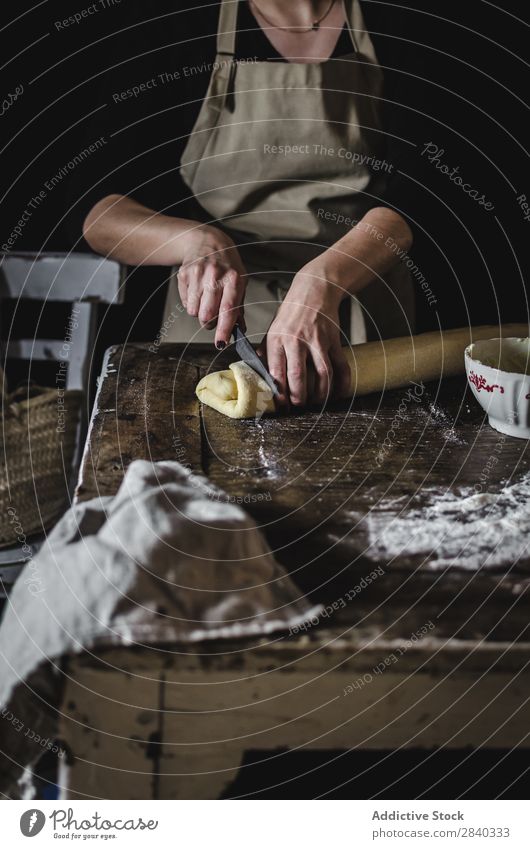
point(239, 392)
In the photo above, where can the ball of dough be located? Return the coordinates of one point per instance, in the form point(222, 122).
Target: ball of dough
point(239, 392)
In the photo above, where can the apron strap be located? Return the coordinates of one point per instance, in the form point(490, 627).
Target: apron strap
point(362, 43)
point(349, 8)
point(226, 30)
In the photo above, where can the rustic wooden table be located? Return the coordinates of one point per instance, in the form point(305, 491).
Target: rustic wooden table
point(418, 648)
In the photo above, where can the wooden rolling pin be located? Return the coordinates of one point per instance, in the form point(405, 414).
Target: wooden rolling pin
point(239, 392)
point(392, 363)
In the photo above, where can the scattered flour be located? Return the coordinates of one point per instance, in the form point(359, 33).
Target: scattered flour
point(439, 417)
point(470, 530)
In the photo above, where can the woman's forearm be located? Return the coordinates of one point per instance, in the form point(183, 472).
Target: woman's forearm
point(369, 249)
point(307, 325)
point(121, 228)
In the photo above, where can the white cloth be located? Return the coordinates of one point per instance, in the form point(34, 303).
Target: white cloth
point(169, 559)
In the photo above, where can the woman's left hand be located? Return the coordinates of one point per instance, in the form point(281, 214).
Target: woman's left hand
point(305, 333)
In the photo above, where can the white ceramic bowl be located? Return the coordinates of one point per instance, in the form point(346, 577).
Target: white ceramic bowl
point(498, 371)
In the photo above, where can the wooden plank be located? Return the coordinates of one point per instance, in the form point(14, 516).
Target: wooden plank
point(322, 478)
point(310, 654)
point(145, 409)
point(327, 499)
point(108, 735)
point(142, 724)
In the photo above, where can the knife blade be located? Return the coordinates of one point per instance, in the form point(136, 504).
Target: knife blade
point(249, 356)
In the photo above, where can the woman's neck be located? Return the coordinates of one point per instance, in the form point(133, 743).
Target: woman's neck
point(303, 45)
point(300, 14)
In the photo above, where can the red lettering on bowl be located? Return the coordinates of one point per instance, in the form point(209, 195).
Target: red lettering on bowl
point(480, 382)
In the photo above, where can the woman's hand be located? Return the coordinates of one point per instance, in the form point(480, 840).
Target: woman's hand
point(306, 328)
point(306, 332)
point(212, 281)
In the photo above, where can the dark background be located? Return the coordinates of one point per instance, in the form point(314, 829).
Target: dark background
point(470, 54)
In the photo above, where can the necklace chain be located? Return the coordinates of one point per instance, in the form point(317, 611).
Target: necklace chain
point(315, 26)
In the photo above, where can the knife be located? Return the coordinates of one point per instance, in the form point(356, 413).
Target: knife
point(249, 356)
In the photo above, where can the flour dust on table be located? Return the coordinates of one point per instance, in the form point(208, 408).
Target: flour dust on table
point(471, 530)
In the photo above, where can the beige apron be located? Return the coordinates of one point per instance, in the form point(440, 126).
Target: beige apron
point(280, 159)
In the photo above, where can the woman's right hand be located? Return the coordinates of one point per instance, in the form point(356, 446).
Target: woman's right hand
point(212, 281)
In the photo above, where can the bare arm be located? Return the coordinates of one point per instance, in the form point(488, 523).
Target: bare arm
point(211, 279)
point(368, 250)
point(121, 228)
point(306, 328)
